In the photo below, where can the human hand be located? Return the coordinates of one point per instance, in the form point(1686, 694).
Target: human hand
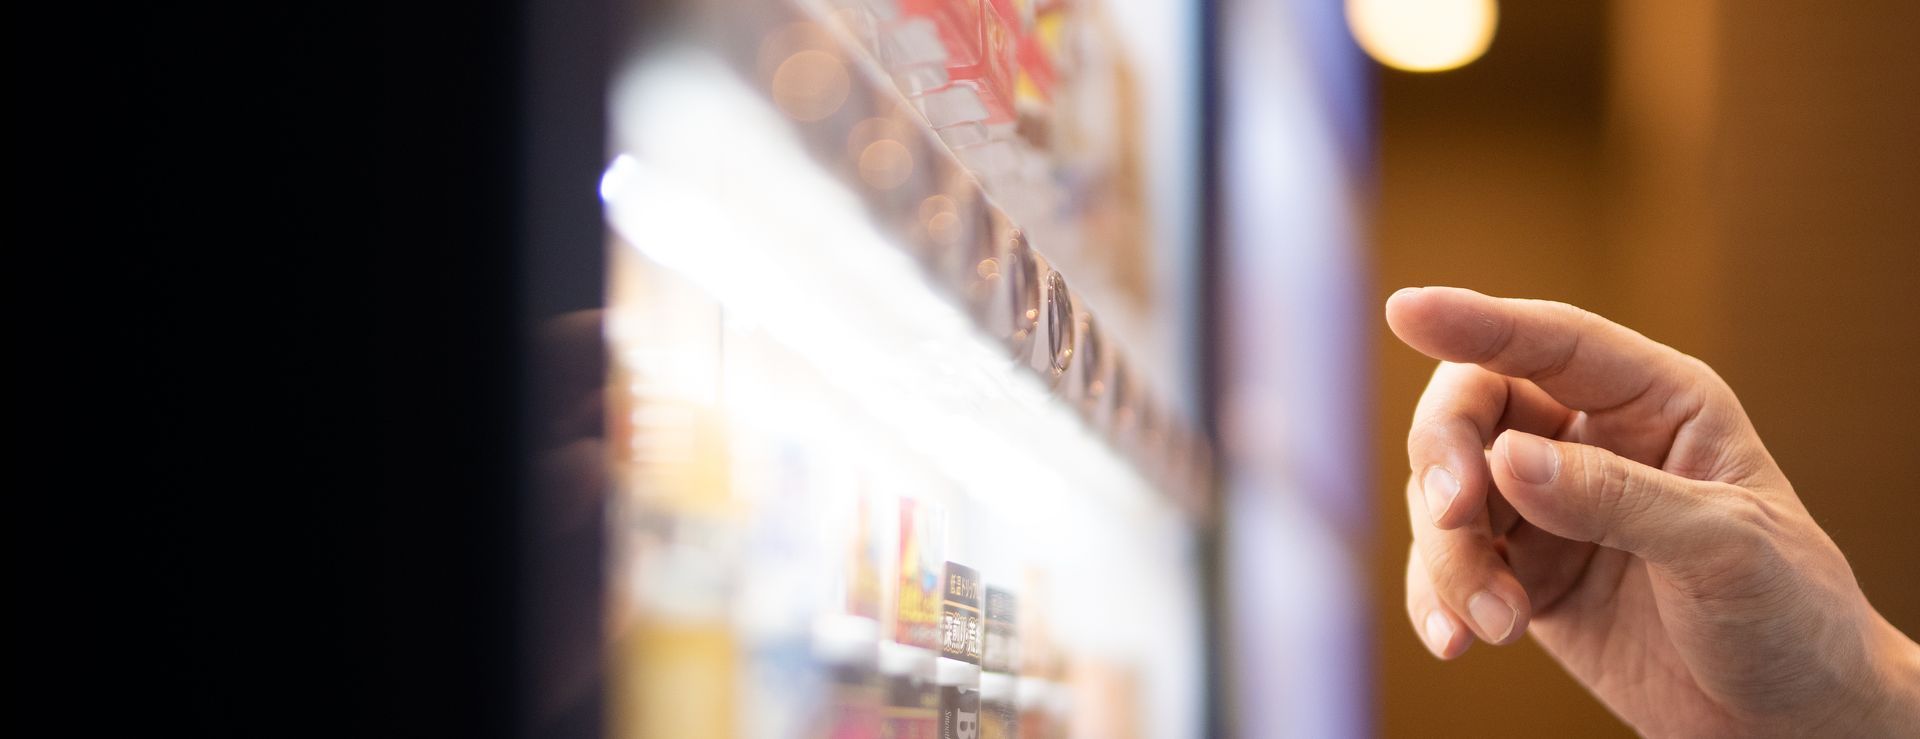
point(1578, 481)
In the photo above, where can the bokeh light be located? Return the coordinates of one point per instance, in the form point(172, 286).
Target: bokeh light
point(1423, 35)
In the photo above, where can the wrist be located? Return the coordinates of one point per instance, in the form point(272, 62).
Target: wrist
point(1894, 707)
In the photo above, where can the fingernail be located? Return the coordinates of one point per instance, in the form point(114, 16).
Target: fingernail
point(1494, 617)
point(1439, 486)
point(1403, 291)
point(1532, 458)
point(1439, 633)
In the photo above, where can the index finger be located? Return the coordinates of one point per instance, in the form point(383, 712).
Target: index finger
point(1585, 362)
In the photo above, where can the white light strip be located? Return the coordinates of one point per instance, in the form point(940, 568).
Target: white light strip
point(713, 184)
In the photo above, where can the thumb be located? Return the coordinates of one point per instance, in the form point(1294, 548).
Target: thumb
point(1587, 493)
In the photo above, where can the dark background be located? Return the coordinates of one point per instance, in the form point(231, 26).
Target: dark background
point(267, 271)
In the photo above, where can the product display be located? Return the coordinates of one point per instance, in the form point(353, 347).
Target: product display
point(849, 650)
point(999, 716)
point(923, 535)
point(959, 699)
point(878, 462)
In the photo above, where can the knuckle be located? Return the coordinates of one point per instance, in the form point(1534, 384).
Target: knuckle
point(1575, 318)
point(1563, 307)
point(1576, 324)
point(1707, 381)
point(1435, 429)
point(1707, 374)
point(1697, 366)
point(1449, 569)
point(1504, 330)
point(1743, 552)
point(1431, 424)
point(1753, 526)
point(1618, 493)
point(1615, 485)
point(1420, 431)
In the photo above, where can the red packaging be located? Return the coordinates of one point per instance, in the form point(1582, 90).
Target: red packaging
point(982, 39)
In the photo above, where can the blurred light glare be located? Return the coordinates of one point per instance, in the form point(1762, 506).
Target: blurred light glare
point(886, 164)
point(1423, 35)
point(712, 185)
point(810, 85)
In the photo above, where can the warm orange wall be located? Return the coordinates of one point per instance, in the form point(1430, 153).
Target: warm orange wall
point(1816, 178)
point(1744, 185)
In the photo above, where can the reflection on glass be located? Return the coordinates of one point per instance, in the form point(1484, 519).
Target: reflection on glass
point(1090, 362)
point(1023, 287)
point(810, 85)
point(885, 164)
point(1060, 318)
point(1123, 400)
point(944, 227)
point(945, 231)
point(859, 23)
point(879, 146)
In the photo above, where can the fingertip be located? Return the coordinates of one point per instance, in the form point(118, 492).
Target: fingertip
point(1442, 637)
point(1519, 630)
point(1399, 303)
point(1499, 455)
point(1500, 619)
point(1522, 611)
point(1468, 503)
point(1499, 461)
point(1528, 458)
point(1528, 471)
point(1446, 323)
point(1441, 489)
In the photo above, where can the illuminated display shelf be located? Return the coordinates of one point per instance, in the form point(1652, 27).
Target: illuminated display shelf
point(836, 75)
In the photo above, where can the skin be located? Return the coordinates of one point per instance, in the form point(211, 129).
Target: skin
point(1576, 481)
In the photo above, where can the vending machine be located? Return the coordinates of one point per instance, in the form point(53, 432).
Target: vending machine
point(898, 420)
